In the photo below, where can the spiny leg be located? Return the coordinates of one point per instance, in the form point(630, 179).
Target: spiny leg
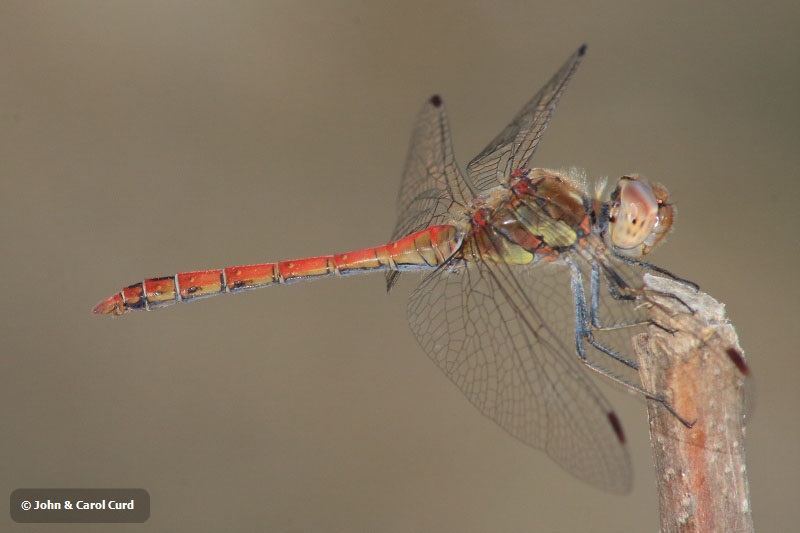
point(583, 322)
point(583, 333)
point(619, 290)
point(616, 294)
point(658, 270)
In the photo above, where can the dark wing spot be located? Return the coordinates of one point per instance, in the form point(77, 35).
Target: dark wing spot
point(436, 100)
point(192, 290)
point(582, 49)
point(736, 356)
point(617, 426)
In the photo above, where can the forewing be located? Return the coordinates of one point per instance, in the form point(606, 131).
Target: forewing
point(513, 148)
point(478, 323)
point(432, 183)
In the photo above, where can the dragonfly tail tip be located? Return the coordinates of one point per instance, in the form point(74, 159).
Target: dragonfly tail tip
point(110, 306)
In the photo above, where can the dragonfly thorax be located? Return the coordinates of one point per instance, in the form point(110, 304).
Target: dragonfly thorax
point(538, 215)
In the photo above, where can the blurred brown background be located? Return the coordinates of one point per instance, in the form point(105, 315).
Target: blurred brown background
point(142, 138)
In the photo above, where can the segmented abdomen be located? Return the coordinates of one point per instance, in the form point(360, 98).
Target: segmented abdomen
point(421, 250)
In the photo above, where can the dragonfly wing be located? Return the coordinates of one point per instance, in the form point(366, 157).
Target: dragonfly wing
point(432, 182)
point(477, 322)
point(433, 187)
point(513, 148)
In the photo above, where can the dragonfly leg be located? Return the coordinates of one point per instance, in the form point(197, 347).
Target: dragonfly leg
point(583, 334)
point(614, 291)
point(585, 321)
point(658, 270)
point(619, 290)
point(641, 390)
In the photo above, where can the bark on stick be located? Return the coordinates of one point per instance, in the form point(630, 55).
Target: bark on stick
point(699, 369)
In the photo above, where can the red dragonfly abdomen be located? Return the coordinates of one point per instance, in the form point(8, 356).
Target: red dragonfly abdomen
point(421, 250)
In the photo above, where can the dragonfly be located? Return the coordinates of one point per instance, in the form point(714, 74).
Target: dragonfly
point(531, 282)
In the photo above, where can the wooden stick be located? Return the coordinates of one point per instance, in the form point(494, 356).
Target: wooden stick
point(700, 371)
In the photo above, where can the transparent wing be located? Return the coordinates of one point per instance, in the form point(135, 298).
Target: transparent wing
point(477, 321)
point(432, 183)
point(433, 188)
point(513, 148)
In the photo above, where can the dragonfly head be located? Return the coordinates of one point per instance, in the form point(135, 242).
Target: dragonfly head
point(639, 216)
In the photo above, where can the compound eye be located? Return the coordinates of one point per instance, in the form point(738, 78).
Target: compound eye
point(634, 216)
